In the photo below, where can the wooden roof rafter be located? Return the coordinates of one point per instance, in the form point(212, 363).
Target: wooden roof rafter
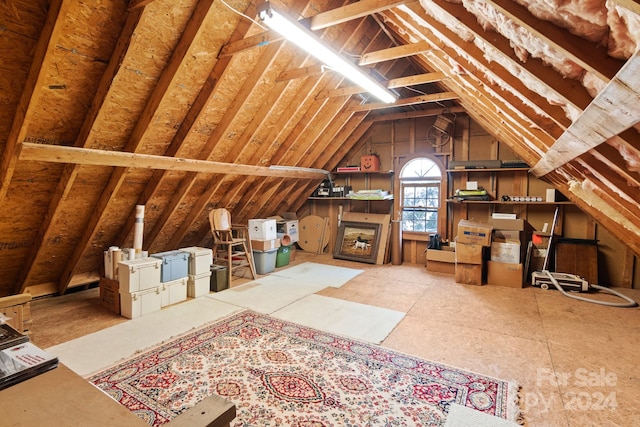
point(203, 200)
point(85, 136)
point(593, 59)
point(187, 126)
point(176, 61)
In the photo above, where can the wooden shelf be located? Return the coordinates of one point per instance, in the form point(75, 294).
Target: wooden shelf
point(390, 197)
point(499, 202)
point(488, 170)
point(389, 172)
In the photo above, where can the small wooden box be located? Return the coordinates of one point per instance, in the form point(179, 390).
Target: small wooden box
point(110, 294)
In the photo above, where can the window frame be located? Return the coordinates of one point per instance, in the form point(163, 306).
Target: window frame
point(442, 188)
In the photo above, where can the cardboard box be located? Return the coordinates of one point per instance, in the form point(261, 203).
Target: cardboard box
point(441, 261)
point(265, 245)
point(474, 233)
point(446, 254)
point(508, 224)
point(262, 229)
point(288, 226)
point(507, 252)
point(469, 253)
point(507, 235)
point(470, 274)
point(503, 274)
point(110, 294)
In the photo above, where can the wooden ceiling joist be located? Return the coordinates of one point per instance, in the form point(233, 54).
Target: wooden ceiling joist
point(421, 99)
point(391, 84)
point(615, 109)
point(320, 21)
point(396, 52)
point(29, 151)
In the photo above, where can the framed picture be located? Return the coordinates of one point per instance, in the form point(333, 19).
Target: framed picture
point(357, 241)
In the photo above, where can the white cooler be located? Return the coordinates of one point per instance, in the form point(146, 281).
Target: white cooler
point(173, 292)
point(136, 304)
point(199, 285)
point(200, 259)
point(139, 274)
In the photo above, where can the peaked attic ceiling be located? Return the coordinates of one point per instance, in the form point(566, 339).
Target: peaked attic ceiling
point(185, 105)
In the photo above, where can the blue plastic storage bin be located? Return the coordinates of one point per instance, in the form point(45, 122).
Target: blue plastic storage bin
point(175, 265)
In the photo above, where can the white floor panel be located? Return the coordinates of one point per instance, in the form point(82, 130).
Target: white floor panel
point(267, 294)
point(90, 353)
point(346, 318)
point(327, 275)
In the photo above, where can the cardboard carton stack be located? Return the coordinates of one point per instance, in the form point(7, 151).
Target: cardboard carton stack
point(264, 243)
point(505, 265)
point(472, 239)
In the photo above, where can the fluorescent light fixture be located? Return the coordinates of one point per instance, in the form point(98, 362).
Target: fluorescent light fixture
point(302, 37)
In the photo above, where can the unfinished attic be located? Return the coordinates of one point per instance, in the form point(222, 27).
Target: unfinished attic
point(127, 126)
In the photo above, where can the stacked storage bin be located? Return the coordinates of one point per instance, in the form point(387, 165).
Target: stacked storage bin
point(200, 260)
point(173, 276)
point(140, 286)
point(264, 243)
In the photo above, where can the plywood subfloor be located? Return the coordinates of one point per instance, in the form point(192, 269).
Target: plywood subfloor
point(576, 362)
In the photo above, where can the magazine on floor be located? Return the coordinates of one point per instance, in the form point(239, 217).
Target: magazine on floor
point(23, 361)
point(10, 336)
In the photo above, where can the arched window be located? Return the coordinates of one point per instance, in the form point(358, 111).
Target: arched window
point(420, 182)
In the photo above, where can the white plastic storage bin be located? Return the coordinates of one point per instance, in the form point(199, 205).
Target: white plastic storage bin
point(200, 259)
point(262, 229)
point(175, 265)
point(198, 285)
point(173, 292)
point(139, 274)
point(136, 304)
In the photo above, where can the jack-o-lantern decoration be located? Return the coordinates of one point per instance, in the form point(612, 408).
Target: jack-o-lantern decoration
point(370, 163)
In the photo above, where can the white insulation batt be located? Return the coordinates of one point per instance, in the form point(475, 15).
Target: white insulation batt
point(603, 22)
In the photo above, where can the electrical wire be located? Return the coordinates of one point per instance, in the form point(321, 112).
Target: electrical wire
point(628, 304)
point(245, 16)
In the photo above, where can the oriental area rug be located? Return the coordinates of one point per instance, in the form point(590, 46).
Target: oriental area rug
point(279, 373)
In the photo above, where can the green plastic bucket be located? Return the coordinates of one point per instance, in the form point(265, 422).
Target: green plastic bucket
point(284, 254)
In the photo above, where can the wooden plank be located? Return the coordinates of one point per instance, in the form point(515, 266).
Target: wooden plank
point(615, 109)
point(391, 84)
point(212, 411)
point(421, 99)
point(62, 395)
point(396, 52)
point(300, 73)
point(88, 156)
point(627, 268)
point(356, 10)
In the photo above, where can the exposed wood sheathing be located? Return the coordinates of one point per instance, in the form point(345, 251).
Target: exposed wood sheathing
point(195, 80)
